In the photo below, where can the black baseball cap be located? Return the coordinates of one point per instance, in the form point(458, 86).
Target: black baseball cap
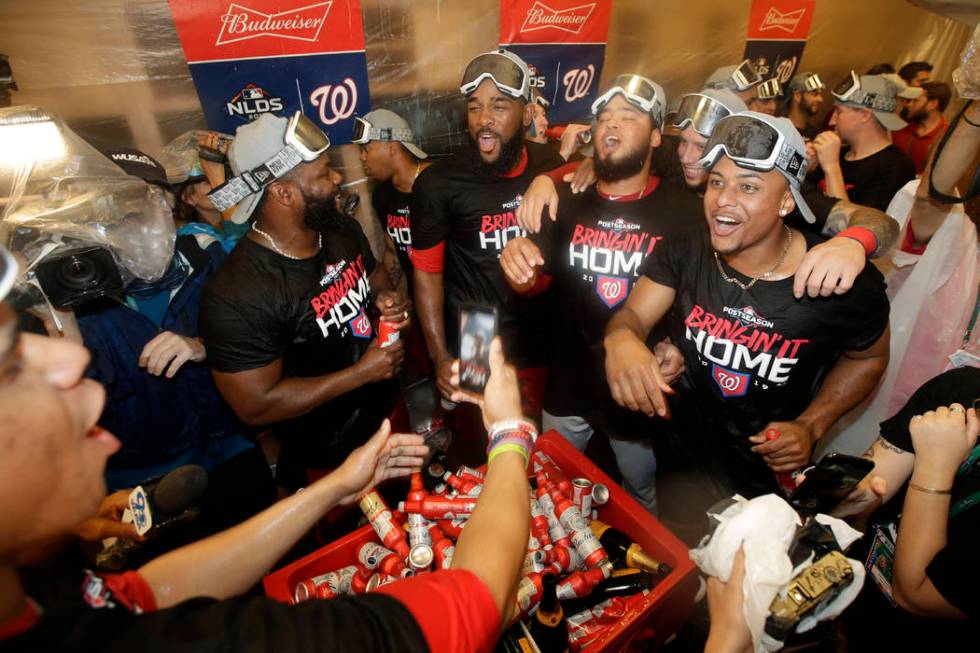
point(139, 164)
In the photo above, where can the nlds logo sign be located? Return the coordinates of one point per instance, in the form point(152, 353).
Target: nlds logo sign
point(540, 16)
point(251, 102)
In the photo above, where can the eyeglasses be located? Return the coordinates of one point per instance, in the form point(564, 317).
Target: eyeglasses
point(754, 144)
point(700, 112)
point(769, 89)
point(304, 142)
point(850, 90)
point(506, 70)
point(364, 132)
point(637, 90)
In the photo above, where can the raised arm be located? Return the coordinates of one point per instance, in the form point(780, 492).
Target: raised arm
point(232, 561)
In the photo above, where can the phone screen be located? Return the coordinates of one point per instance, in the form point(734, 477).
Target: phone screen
point(829, 482)
point(477, 329)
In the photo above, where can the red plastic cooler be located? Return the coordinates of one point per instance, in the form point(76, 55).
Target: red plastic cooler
point(665, 609)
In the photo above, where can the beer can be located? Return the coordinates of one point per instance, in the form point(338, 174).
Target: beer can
point(387, 334)
point(600, 494)
point(582, 495)
point(377, 580)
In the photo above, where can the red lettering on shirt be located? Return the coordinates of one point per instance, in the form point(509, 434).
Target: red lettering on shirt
point(337, 290)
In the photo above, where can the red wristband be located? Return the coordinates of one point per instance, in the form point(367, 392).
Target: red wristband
point(864, 236)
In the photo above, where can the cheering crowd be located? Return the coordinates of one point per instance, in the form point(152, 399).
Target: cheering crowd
point(692, 280)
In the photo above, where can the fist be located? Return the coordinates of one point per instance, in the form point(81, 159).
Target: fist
point(380, 364)
point(827, 146)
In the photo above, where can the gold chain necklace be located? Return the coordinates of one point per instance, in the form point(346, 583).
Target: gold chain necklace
point(764, 275)
point(275, 246)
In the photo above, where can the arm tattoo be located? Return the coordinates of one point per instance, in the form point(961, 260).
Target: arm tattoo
point(847, 214)
point(888, 446)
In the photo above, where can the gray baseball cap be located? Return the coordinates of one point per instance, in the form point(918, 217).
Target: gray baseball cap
point(389, 120)
point(873, 92)
point(905, 91)
point(805, 82)
point(254, 144)
point(741, 77)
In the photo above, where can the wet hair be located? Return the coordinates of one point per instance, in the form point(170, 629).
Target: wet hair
point(881, 69)
point(940, 92)
point(913, 68)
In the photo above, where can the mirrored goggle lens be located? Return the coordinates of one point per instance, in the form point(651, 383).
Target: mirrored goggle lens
point(303, 133)
point(359, 133)
point(701, 112)
point(813, 83)
point(847, 85)
point(636, 86)
point(768, 89)
point(744, 138)
point(503, 71)
point(746, 75)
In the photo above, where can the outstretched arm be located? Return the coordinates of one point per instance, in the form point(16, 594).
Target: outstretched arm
point(230, 562)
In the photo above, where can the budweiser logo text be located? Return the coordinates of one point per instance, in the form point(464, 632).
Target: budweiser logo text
point(787, 22)
point(302, 24)
point(571, 20)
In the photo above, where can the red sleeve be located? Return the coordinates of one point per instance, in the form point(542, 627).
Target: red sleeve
point(908, 242)
point(454, 610)
point(557, 174)
point(132, 591)
point(429, 260)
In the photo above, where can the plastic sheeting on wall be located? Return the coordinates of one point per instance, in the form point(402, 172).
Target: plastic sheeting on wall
point(115, 69)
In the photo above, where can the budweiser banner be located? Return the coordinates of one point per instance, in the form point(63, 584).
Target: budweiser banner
point(276, 56)
point(778, 30)
point(564, 42)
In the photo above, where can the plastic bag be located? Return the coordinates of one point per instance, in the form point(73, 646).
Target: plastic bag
point(966, 78)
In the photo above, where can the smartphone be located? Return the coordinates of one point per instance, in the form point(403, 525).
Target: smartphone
point(477, 329)
point(829, 481)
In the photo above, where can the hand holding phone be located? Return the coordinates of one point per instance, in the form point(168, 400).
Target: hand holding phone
point(477, 329)
point(827, 483)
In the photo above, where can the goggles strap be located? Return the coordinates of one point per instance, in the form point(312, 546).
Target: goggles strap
point(253, 181)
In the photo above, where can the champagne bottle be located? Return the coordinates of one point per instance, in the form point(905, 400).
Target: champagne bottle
point(623, 551)
point(623, 582)
point(549, 629)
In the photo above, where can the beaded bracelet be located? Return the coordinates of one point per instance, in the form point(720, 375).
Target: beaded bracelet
point(522, 425)
point(511, 433)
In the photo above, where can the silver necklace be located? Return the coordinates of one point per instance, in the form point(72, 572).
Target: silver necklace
point(764, 275)
point(278, 250)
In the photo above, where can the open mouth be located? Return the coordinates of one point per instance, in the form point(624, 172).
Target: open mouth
point(724, 225)
point(487, 142)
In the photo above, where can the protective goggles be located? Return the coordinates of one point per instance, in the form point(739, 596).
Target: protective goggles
point(746, 76)
point(638, 91)
point(364, 132)
point(700, 112)
point(304, 142)
point(810, 83)
point(754, 144)
point(769, 89)
point(508, 73)
point(849, 90)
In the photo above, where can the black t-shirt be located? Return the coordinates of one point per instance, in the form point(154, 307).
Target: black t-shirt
point(475, 217)
point(394, 213)
point(953, 570)
point(594, 253)
point(312, 314)
point(874, 180)
point(81, 612)
point(759, 355)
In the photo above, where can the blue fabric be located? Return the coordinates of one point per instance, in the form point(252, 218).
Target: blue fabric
point(160, 421)
point(229, 235)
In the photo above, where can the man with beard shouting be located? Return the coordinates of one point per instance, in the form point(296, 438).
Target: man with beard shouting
point(463, 214)
point(286, 319)
point(591, 256)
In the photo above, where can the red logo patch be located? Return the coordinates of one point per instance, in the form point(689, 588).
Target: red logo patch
point(611, 290)
point(731, 383)
point(360, 325)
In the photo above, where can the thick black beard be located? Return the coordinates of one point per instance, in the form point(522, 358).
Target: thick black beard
point(609, 170)
point(321, 214)
point(510, 154)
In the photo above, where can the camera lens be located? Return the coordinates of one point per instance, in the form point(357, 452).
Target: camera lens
point(79, 272)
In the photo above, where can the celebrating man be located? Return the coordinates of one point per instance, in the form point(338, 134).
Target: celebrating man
point(593, 253)
point(806, 96)
point(285, 319)
point(463, 215)
point(767, 374)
